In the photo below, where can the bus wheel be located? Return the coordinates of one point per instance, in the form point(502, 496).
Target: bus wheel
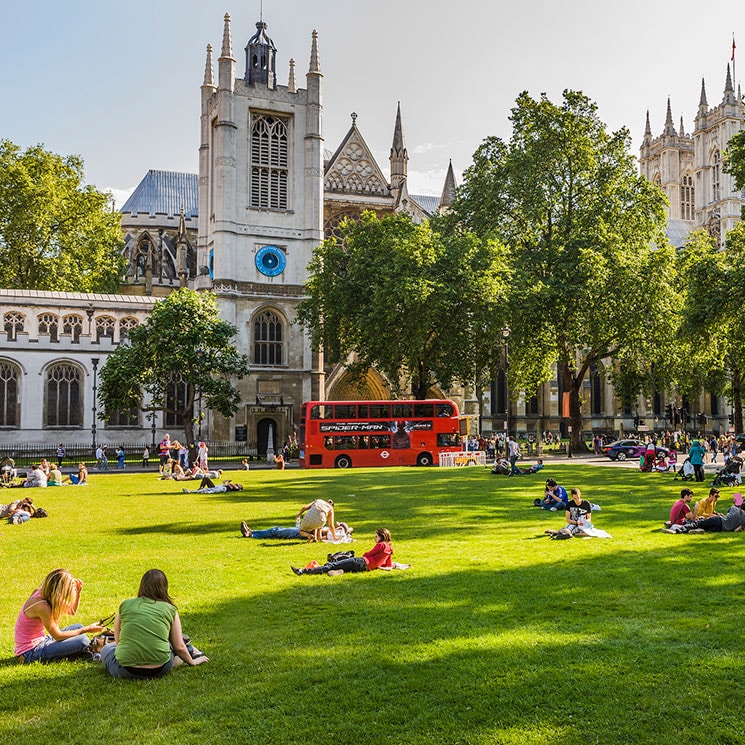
point(343, 461)
point(424, 459)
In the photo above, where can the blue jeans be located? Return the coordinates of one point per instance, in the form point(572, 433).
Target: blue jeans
point(20, 517)
point(117, 670)
point(277, 532)
point(49, 650)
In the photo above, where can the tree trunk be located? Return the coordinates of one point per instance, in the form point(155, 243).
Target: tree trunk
point(737, 400)
point(420, 383)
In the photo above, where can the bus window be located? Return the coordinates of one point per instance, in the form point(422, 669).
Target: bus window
point(444, 409)
point(363, 442)
point(447, 439)
point(345, 411)
point(315, 412)
point(424, 410)
point(380, 411)
point(346, 442)
point(328, 443)
point(401, 411)
point(362, 411)
point(380, 442)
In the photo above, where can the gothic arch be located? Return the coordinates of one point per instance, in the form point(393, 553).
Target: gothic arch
point(63, 394)
point(372, 387)
point(268, 332)
point(10, 393)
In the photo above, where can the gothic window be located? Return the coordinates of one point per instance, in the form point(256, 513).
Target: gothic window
point(269, 162)
point(49, 324)
point(267, 339)
point(105, 327)
point(176, 398)
point(14, 324)
point(687, 194)
point(73, 325)
point(531, 406)
point(64, 396)
point(499, 394)
point(332, 226)
point(596, 389)
point(129, 418)
point(8, 395)
point(657, 181)
point(716, 175)
point(125, 326)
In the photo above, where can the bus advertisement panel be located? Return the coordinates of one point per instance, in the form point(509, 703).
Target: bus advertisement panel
point(342, 434)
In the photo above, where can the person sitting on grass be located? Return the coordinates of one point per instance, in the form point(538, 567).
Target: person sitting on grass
point(55, 476)
point(378, 556)
point(148, 641)
point(555, 497)
point(58, 595)
point(706, 507)
point(207, 486)
point(79, 479)
point(681, 512)
point(732, 522)
point(342, 531)
point(578, 517)
point(279, 462)
point(314, 515)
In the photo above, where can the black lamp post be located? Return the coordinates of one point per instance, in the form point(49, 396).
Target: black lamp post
point(152, 430)
point(94, 362)
point(506, 336)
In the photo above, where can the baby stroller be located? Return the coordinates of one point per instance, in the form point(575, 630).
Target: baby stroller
point(685, 472)
point(730, 474)
point(7, 471)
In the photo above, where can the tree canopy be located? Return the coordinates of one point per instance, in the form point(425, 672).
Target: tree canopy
point(593, 273)
point(416, 304)
point(184, 344)
point(56, 233)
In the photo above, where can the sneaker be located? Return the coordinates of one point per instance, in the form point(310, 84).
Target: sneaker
point(335, 572)
point(553, 509)
point(669, 530)
point(245, 530)
point(296, 570)
point(697, 531)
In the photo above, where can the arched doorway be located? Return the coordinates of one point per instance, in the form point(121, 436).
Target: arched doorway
point(262, 436)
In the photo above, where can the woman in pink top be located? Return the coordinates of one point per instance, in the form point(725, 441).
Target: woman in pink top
point(58, 595)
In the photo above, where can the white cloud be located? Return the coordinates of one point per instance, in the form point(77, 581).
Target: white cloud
point(120, 195)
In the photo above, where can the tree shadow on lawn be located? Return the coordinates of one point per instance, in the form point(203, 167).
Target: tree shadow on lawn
point(462, 656)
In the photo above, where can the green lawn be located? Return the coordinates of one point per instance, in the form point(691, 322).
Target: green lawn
point(496, 635)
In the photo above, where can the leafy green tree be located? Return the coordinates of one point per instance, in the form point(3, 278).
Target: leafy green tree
point(56, 233)
point(403, 298)
point(593, 274)
point(183, 341)
point(735, 159)
point(711, 332)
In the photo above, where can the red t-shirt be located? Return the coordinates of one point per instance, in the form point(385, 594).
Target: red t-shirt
point(678, 512)
point(379, 556)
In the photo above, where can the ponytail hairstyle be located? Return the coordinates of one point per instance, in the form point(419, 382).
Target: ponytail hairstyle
point(58, 589)
point(154, 585)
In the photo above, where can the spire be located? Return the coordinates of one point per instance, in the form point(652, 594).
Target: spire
point(647, 128)
point(448, 190)
point(728, 87)
point(227, 42)
point(682, 128)
point(261, 56)
point(398, 157)
point(702, 101)
point(315, 65)
point(291, 84)
point(669, 126)
point(209, 77)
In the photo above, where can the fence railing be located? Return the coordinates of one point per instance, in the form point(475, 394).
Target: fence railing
point(464, 458)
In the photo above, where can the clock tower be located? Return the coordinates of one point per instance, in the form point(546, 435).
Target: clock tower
point(260, 217)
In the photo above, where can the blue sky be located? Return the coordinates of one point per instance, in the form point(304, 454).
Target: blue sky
point(119, 84)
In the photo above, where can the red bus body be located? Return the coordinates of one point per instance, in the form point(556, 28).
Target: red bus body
point(343, 434)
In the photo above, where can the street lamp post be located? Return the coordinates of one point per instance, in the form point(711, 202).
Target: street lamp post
point(94, 362)
point(506, 336)
point(152, 429)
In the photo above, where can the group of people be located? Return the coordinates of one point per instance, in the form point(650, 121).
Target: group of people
point(704, 518)
point(41, 475)
point(147, 636)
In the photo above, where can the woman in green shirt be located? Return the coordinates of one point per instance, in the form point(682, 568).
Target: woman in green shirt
point(148, 640)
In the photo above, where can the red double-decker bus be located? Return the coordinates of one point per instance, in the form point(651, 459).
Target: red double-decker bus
point(342, 434)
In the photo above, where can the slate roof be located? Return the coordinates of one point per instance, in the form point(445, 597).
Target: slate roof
point(165, 193)
point(429, 204)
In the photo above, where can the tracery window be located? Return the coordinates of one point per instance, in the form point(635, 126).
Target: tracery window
point(125, 326)
point(269, 162)
point(596, 389)
point(105, 327)
point(73, 325)
point(64, 400)
point(129, 418)
point(687, 195)
point(49, 324)
point(267, 339)
point(716, 175)
point(8, 395)
point(176, 397)
point(14, 324)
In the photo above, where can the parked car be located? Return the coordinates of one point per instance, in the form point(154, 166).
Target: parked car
point(625, 449)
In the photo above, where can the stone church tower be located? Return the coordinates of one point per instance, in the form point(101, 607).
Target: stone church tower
point(260, 217)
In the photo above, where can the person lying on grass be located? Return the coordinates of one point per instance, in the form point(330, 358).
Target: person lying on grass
point(732, 522)
point(342, 530)
point(207, 486)
point(58, 595)
point(578, 517)
point(378, 556)
point(148, 641)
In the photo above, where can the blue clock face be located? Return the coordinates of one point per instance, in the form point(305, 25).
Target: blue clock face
point(270, 260)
